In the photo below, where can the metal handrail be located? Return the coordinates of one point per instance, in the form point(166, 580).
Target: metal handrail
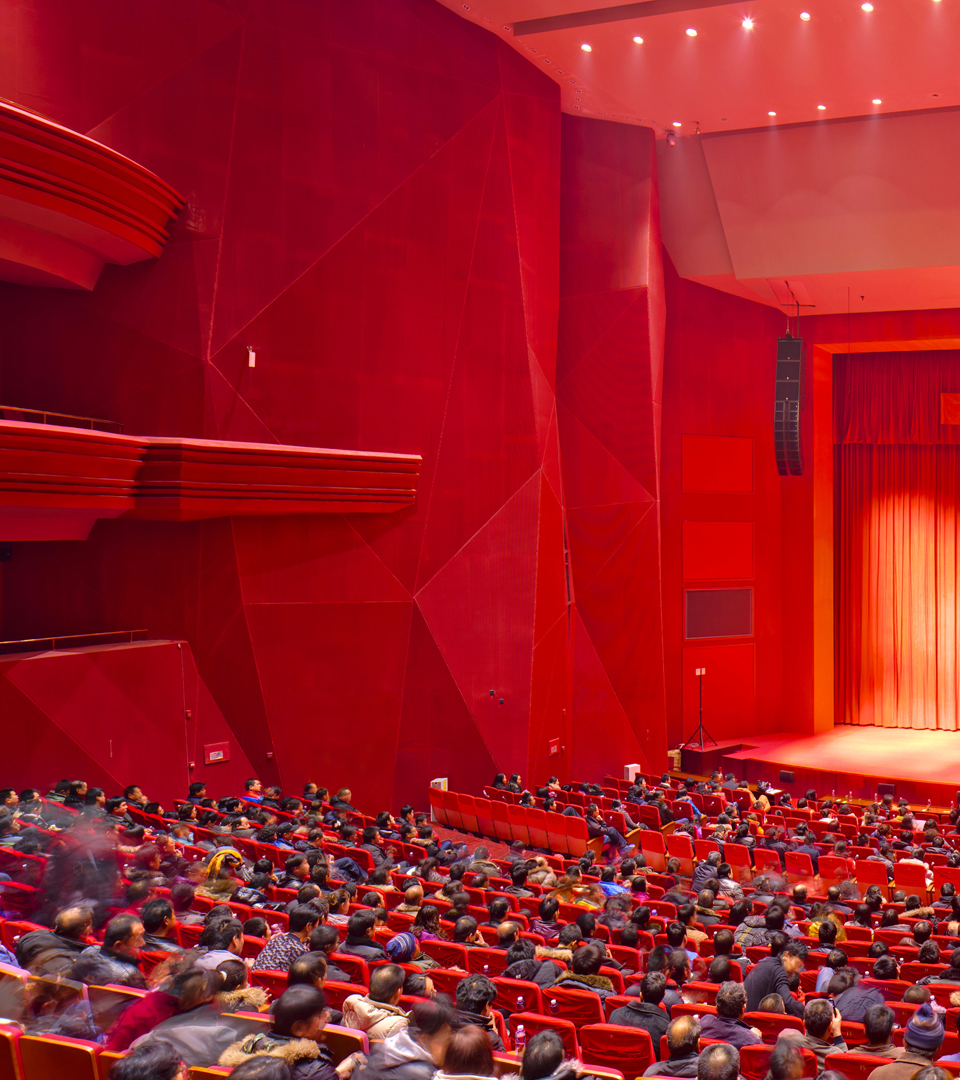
point(64, 419)
point(68, 641)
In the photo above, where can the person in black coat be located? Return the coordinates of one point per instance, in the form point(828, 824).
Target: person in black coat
point(770, 976)
point(645, 1012)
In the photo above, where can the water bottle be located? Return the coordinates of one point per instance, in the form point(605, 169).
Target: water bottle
point(554, 1007)
point(520, 1037)
point(520, 1004)
point(486, 969)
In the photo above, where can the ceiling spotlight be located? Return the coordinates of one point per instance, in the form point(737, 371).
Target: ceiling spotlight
point(877, 101)
point(747, 23)
point(671, 139)
point(676, 123)
point(771, 113)
point(586, 47)
point(805, 15)
point(691, 32)
point(821, 107)
point(638, 40)
point(867, 7)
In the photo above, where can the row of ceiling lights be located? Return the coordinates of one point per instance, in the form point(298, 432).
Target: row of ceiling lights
point(747, 24)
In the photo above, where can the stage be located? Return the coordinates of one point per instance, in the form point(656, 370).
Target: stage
point(850, 761)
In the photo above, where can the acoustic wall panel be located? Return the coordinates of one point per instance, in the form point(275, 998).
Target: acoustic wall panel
point(718, 613)
point(717, 550)
point(713, 463)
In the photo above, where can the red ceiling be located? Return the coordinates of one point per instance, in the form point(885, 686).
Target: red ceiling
point(727, 77)
point(852, 207)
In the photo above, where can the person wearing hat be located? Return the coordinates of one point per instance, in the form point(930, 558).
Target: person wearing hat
point(921, 1046)
point(405, 949)
point(378, 1013)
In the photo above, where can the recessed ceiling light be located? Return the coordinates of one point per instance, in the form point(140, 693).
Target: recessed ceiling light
point(638, 40)
point(877, 101)
point(771, 113)
point(676, 123)
point(867, 7)
point(805, 15)
point(691, 32)
point(586, 47)
point(821, 107)
point(747, 23)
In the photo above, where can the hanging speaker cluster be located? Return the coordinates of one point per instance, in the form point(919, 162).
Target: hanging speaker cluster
point(787, 406)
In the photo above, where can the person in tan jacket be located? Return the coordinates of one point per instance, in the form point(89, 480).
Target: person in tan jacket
point(921, 1046)
point(378, 1013)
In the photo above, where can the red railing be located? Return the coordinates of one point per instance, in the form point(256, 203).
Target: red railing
point(74, 641)
point(60, 419)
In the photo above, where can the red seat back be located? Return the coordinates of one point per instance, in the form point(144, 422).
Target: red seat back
point(580, 1006)
point(517, 995)
point(771, 1024)
point(755, 1061)
point(534, 1022)
point(855, 1066)
point(617, 1046)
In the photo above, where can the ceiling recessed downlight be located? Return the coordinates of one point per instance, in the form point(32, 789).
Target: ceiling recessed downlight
point(691, 32)
point(821, 107)
point(867, 7)
point(586, 47)
point(877, 101)
point(676, 123)
point(638, 40)
point(805, 15)
point(747, 23)
point(771, 113)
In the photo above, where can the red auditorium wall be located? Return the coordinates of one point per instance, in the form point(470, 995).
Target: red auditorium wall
point(373, 204)
point(609, 376)
point(721, 507)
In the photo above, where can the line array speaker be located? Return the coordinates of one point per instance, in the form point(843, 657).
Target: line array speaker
point(787, 406)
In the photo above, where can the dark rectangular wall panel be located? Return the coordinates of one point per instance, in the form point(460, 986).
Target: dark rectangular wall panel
point(713, 463)
point(718, 613)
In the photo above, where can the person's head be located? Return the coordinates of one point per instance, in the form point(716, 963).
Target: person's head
point(719, 969)
point(498, 909)
point(75, 923)
point(548, 908)
point(652, 987)
point(841, 980)
point(155, 1060)
point(929, 953)
point(683, 1036)
point(543, 1056)
point(719, 1061)
point(300, 1012)
point(223, 934)
point(827, 932)
point(475, 994)
point(359, 925)
point(124, 935)
point(786, 1061)
point(587, 960)
point(678, 966)
point(468, 1053)
point(570, 936)
point(298, 865)
point(817, 1017)
point(309, 969)
point(157, 917)
point(386, 984)
point(772, 1003)
point(731, 1000)
point(924, 1032)
point(723, 942)
point(464, 929)
point(885, 968)
point(792, 957)
point(432, 1024)
point(676, 934)
point(878, 1021)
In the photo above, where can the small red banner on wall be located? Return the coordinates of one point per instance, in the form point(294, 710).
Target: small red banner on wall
point(950, 408)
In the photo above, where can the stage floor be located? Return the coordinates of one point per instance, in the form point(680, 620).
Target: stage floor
point(849, 761)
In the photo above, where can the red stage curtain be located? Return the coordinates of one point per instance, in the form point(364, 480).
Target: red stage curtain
point(898, 514)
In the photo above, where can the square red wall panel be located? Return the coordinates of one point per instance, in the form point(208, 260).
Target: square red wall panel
point(729, 690)
point(717, 550)
point(713, 463)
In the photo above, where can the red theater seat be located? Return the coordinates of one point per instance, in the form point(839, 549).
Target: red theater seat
point(616, 1046)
